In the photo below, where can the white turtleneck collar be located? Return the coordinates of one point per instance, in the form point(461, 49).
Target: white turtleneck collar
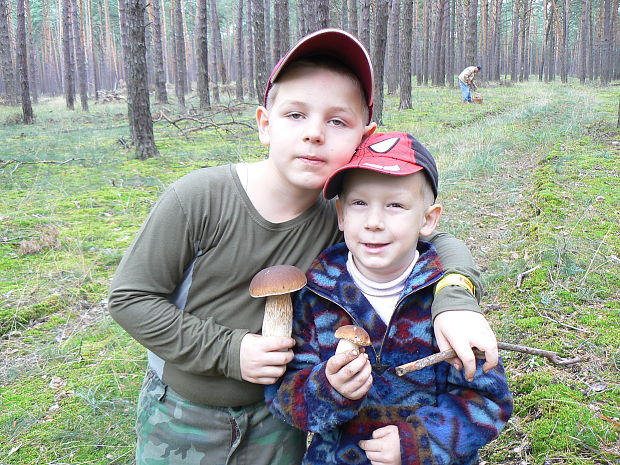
point(382, 296)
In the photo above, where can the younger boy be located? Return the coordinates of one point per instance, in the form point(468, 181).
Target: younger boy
point(181, 289)
point(381, 279)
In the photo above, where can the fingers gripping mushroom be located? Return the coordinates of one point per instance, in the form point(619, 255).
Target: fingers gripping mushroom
point(351, 338)
point(276, 283)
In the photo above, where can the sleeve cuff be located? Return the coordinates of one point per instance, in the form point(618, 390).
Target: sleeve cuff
point(454, 298)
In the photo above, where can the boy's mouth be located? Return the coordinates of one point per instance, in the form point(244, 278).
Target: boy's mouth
point(311, 160)
point(374, 245)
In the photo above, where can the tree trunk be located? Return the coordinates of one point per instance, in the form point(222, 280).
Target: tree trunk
point(426, 40)
point(67, 44)
point(216, 36)
point(181, 74)
point(514, 65)
point(322, 14)
point(258, 18)
point(137, 86)
point(405, 59)
point(249, 44)
point(364, 24)
point(484, 37)
point(8, 70)
point(202, 50)
point(380, 27)
point(80, 56)
point(393, 46)
point(525, 25)
point(439, 52)
point(471, 34)
point(22, 63)
point(564, 58)
point(158, 54)
point(352, 16)
point(607, 46)
point(32, 74)
point(281, 32)
point(239, 52)
point(94, 56)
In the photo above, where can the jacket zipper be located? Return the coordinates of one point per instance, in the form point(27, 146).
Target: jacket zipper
point(378, 356)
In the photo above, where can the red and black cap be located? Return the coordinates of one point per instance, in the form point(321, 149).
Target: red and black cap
point(337, 44)
point(395, 153)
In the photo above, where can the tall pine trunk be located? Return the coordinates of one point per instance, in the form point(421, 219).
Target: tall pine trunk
point(202, 50)
point(181, 70)
point(137, 85)
point(380, 27)
point(158, 53)
point(22, 63)
point(405, 59)
point(80, 56)
point(67, 45)
point(258, 23)
point(8, 70)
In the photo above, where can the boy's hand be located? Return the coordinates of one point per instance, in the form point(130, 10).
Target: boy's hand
point(264, 358)
point(350, 374)
point(461, 330)
point(384, 447)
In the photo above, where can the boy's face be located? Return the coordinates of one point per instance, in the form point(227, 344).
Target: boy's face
point(313, 126)
point(382, 216)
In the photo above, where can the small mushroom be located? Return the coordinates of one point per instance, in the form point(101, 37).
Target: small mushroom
point(276, 283)
point(351, 338)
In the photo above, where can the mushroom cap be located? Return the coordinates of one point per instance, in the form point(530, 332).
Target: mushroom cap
point(354, 334)
point(277, 280)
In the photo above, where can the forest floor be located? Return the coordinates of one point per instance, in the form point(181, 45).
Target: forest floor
point(529, 180)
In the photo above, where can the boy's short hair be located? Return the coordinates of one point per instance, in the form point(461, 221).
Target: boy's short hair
point(338, 45)
point(394, 153)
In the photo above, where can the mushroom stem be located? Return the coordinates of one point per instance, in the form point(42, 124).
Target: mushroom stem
point(344, 346)
point(278, 318)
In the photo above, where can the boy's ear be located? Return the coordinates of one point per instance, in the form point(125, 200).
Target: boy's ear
point(431, 219)
point(369, 129)
point(262, 121)
point(340, 216)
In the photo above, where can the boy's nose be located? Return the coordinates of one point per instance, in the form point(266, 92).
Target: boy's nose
point(313, 133)
point(374, 220)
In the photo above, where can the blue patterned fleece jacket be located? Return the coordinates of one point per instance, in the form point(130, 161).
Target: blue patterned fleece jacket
point(442, 418)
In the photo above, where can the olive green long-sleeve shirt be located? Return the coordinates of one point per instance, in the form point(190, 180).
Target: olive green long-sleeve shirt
point(181, 290)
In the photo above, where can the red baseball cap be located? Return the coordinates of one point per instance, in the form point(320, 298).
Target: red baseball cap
point(395, 153)
point(335, 43)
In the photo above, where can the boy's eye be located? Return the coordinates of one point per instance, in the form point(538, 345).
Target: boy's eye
point(396, 205)
point(338, 122)
point(295, 115)
point(358, 202)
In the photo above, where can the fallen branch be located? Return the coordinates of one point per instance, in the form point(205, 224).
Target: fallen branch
point(524, 274)
point(4, 163)
point(448, 354)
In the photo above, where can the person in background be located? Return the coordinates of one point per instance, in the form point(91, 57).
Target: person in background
point(467, 82)
point(382, 279)
point(181, 289)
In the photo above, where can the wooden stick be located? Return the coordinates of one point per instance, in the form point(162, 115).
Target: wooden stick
point(448, 354)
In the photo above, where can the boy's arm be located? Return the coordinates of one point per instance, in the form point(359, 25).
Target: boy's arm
point(467, 416)
point(139, 297)
point(303, 397)
point(465, 328)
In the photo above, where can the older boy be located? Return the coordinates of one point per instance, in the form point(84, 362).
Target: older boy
point(381, 279)
point(181, 289)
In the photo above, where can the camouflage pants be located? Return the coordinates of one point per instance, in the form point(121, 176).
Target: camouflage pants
point(173, 431)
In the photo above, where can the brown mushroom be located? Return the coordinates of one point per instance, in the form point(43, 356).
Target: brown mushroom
point(351, 338)
point(276, 283)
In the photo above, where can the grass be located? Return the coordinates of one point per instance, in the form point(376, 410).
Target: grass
point(529, 180)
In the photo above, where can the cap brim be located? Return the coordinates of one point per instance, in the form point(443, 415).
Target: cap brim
point(333, 186)
point(336, 43)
